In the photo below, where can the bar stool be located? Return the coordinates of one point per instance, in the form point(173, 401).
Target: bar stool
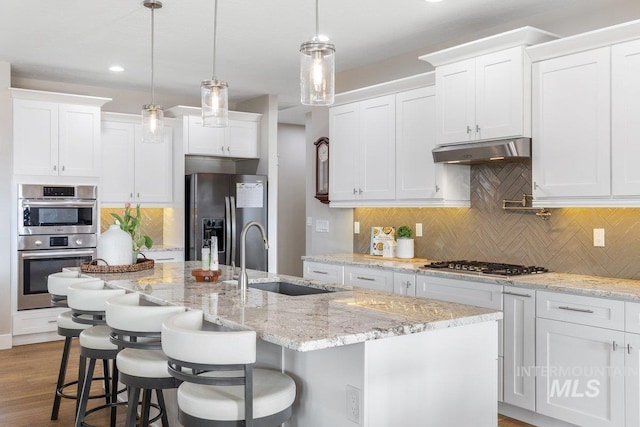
point(89, 299)
point(135, 328)
point(58, 285)
point(220, 386)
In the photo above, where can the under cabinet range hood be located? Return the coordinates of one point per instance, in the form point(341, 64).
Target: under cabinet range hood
point(483, 152)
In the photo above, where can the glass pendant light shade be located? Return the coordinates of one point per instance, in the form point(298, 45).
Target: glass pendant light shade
point(215, 103)
point(152, 124)
point(317, 72)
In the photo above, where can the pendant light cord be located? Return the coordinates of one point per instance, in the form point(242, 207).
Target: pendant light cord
point(317, 20)
point(215, 28)
point(152, 46)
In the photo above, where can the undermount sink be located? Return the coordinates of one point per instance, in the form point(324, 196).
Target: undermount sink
point(290, 289)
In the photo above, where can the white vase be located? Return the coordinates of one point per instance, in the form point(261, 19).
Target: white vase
point(115, 246)
point(405, 248)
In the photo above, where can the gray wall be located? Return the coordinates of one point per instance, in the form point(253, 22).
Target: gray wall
point(291, 198)
point(5, 205)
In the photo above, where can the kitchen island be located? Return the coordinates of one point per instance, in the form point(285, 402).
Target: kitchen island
point(359, 357)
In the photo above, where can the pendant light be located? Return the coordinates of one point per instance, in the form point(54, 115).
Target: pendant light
point(152, 114)
point(215, 93)
point(317, 69)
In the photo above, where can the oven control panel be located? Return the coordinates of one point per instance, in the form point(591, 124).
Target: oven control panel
point(45, 241)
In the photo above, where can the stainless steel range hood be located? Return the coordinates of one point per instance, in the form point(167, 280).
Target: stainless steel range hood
point(483, 152)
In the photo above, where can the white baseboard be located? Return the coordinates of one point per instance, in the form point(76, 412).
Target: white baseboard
point(6, 342)
point(530, 417)
point(36, 338)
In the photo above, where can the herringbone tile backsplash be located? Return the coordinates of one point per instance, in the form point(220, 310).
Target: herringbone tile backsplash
point(563, 243)
point(152, 223)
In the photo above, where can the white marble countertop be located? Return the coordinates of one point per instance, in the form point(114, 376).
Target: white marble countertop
point(301, 323)
point(606, 287)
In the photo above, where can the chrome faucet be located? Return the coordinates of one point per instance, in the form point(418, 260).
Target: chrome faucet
point(244, 278)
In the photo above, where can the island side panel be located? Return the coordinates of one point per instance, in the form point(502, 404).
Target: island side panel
point(444, 377)
point(322, 377)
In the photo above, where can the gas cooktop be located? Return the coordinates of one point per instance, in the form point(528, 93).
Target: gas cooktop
point(486, 268)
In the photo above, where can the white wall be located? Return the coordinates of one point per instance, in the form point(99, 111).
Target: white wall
point(291, 198)
point(6, 235)
point(339, 239)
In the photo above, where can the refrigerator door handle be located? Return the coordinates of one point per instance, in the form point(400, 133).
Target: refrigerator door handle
point(233, 232)
point(227, 225)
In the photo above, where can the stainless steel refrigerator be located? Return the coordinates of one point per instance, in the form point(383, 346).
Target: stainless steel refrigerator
point(218, 206)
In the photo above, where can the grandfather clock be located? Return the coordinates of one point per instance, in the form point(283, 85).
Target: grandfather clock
point(322, 169)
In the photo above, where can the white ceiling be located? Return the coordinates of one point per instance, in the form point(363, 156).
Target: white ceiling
point(258, 40)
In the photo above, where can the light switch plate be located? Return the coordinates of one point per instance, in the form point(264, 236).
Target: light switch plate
point(322, 225)
point(598, 237)
point(309, 221)
point(418, 229)
point(356, 227)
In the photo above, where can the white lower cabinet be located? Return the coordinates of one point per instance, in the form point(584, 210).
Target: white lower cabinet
point(326, 272)
point(519, 347)
point(404, 284)
point(165, 256)
point(581, 378)
point(370, 278)
point(632, 379)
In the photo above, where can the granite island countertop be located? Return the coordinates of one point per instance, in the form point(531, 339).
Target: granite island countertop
point(301, 323)
point(596, 286)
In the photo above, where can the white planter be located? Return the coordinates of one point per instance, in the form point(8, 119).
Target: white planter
point(405, 248)
point(115, 246)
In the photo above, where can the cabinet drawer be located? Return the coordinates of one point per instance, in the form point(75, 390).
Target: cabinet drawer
point(36, 321)
point(487, 295)
point(370, 278)
point(632, 317)
point(165, 256)
point(589, 311)
point(325, 272)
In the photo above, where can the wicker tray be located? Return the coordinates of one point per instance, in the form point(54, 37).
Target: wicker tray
point(93, 267)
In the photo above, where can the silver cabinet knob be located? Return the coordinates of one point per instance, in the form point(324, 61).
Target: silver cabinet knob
point(78, 242)
point(38, 243)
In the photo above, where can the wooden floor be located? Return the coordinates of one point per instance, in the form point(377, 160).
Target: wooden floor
point(28, 376)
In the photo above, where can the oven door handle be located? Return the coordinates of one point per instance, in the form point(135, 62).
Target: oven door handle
point(58, 203)
point(49, 253)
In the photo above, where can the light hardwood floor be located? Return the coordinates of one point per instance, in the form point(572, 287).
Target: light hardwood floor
point(28, 376)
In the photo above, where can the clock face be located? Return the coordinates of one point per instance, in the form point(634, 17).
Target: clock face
point(323, 153)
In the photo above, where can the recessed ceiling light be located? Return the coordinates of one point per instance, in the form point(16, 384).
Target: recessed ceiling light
point(116, 69)
point(433, 1)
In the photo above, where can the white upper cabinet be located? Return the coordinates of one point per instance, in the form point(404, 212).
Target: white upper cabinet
point(571, 116)
point(482, 98)
point(625, 111)
point(56, 138)
point(240, 140)
point(362, 160)
point(134, 171)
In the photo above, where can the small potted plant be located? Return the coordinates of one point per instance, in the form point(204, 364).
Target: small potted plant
point(404, 236)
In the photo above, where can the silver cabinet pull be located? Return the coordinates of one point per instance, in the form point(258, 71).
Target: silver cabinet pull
point(615, 346)
point(319, 272)
point(468, 129)
point(516, 294)
point(535, 185)
point(360, 191)
point(408, 284)
point(55, 167)
point(222, 148)
point(131, 195)
point(437, 188)
point(369, 279)
point(629, 348)
point(477, 129)
point(52, 321)
point(355, 191)
point(581, 310)
point(62, 168)
point(138, 195)
point(164, 259)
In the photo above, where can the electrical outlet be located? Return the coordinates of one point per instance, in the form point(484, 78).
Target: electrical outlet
point(356, 227)
point(418, 229)
point(309, 221)
point(353, 404)
point(598, 237)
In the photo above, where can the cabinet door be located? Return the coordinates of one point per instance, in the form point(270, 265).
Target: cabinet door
point(154, 169)
point(377, 154)
point(625, 110)
point(370, 278)
point(519, 347)
point(580, 380)
point(404, 284)
point(415, 139)
point(455, 98)
point(345, 156)
point(79, 140)
point(243, 139)
point(325, 272)
point(571, 126)
point(499, 94)
point(117, 184)
point(206, 141)
point(632, 379)
point(35, 137)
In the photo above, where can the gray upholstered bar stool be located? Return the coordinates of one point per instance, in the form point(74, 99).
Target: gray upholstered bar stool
point(58, 286)
point(221, 387)
point(135, 328)
point(90, 299)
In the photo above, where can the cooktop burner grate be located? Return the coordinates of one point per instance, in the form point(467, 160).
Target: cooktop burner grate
point(486, 267)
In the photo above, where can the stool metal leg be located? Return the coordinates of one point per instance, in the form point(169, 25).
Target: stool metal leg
point(132, 409)
point(107, 386)
point(84, 397)
point(114, 392)
point(163, 407)
point(82, 371)
point(61, 375)
point(146, 406)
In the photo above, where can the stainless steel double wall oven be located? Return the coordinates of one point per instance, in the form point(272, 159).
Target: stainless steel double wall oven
point(57, 227)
